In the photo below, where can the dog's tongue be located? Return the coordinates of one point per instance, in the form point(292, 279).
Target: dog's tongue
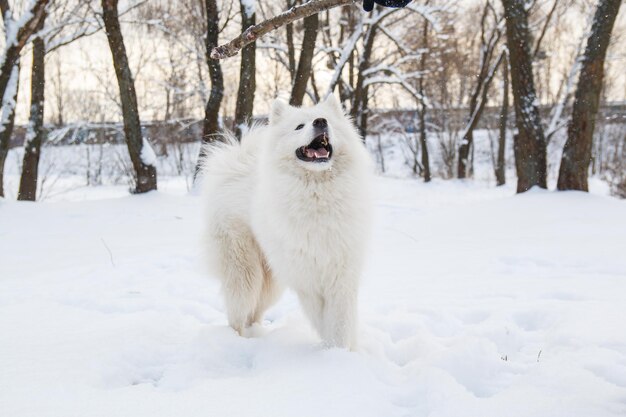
point(316, 153)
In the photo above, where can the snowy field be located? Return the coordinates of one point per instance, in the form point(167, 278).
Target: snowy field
point(475, 302)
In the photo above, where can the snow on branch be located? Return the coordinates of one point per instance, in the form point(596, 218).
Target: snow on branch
point(17, 34)
point(428, 13)
point(255, 32)
point(394, 76)
point(349, 47)
point(8, 101)
point(19, 31)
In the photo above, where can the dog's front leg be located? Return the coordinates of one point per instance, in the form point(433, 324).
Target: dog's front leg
point(313, 305)
point(340, 319)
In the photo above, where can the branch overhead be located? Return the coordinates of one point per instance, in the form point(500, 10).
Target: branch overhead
point(255, 32)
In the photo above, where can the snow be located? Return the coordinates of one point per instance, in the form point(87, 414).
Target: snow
point(30, 132)
point(8, 101)
point(474, 302)
point(249, 7)
point(12, 26)
point(148, 157)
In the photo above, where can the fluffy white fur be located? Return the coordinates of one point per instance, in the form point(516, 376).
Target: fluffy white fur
point(275, 221)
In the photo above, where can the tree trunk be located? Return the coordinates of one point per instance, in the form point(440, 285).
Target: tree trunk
point(291, 50)
point(577, 151)
point(483, 79)
point(359, 105)
point(9, 71)
point(11, 58)
point(467, 143)
point(464, 149)
point(211, 126)
point(311, 25)
point(7, 113)
point(424, 143)
point(530, 146)
point(144, 169)
point(247, 73)
point(422, 106)
point(504, 114)
point(35, 133)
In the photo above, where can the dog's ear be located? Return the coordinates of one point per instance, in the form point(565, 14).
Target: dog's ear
point(332, 103)
point(278, 110)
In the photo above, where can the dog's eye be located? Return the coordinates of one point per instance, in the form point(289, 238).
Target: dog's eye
point(300, 126)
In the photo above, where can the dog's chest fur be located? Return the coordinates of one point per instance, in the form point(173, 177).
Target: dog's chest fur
point(310, 229)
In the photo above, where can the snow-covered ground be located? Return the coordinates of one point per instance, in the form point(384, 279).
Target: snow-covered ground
point(475, 302)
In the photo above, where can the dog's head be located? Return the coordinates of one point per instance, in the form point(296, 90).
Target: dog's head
point(313, 138)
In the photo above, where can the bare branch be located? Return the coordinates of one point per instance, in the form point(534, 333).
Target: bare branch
point(254, 32)
point(544, 29)
point(474, 118)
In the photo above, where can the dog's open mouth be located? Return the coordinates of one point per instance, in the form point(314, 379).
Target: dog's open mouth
point(319, 150)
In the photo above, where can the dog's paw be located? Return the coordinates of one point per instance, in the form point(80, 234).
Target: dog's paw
point(254, 330)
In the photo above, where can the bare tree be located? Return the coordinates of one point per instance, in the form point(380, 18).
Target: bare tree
point(57, 92)
point(17, 34)
point(488, 41)
point(359, 103)
point(577, 151)
point(62, 24)
point(211, 111)
point(141, 154)
point(35, 134)
point(247, 72)
point(8, 119)
point(367, 74)
point(394, 67)
point(301, 79)
point(529, 144)
point(348, 49)
point(500, 167)
point(422, 105)
point(291, 50)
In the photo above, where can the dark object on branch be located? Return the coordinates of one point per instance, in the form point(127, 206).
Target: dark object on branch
point(368, 5)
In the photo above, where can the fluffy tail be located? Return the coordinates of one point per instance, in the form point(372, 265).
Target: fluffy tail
point(221, 142)
point(220, 154)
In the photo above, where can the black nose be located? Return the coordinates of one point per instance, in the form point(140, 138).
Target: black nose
point(320, 123)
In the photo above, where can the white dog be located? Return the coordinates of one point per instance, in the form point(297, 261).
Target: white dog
point(289, 207)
